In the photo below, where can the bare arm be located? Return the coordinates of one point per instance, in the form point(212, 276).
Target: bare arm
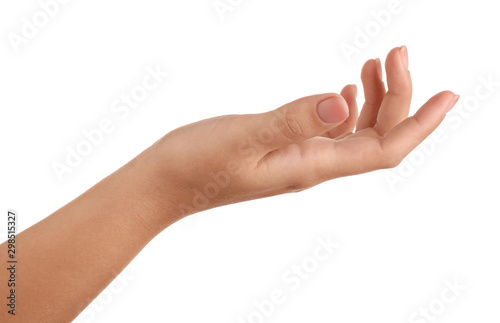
point(68, 258)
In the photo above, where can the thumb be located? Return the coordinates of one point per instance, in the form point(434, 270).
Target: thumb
point(301, 119)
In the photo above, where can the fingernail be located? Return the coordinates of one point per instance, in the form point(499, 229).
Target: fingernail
point(404, 55)
point(452, 103)
point(378, 65)
point(355, 90)
point(333, 110)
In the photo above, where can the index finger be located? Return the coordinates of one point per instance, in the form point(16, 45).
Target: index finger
point(407, 135)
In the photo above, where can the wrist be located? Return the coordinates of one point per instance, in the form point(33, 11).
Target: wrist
point(153, 182)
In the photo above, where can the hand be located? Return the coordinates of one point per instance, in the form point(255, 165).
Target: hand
point(234, 158)
point(211, 163)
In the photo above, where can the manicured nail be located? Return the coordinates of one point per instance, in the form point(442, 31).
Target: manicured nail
point(378, 65)
point(404, 55)
point(452, 103)
point(333, 110)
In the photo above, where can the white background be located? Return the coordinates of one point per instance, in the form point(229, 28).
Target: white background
point(399, 241)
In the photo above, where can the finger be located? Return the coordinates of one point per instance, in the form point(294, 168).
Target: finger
point(349, 93)
point(327, 159)
point(396, 103)
point(374, 90)
point(407, 135)
point(299, 120)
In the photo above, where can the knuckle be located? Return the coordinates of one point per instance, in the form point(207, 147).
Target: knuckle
point(400, 89)
point(291, 128)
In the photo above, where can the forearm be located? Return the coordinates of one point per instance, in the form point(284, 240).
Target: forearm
point(68, 258)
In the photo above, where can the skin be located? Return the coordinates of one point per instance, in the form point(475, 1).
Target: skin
point(68, 258)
